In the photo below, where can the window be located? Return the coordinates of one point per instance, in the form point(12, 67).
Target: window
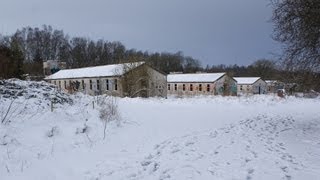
point(54, 82)
point(98, 84)
point(107, 84)
point(200, 87)
point(76, 84)
point(143, 83)
point(82, 82)
point(191, 87)
point(175, 87)
point(116, 84)
point(241, 87)
point(90, 84)
point(60, 84)
point(183, 87)
point(65, 84)
point(169, 87)
point(208, 87)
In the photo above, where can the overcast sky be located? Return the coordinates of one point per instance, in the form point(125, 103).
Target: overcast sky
point(213, 31)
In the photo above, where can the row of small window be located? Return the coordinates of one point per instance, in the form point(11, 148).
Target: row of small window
point(241, 87)
point(190, 87)
point(76, 84)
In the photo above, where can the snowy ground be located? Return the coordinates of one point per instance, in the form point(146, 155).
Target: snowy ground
point(257, 137)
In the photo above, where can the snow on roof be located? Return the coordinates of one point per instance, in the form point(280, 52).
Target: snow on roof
point(96, 71)
point(198, 77)
point(246, 80)
point(271, 81)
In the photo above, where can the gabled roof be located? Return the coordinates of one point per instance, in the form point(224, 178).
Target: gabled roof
point(246, 80)
point(197, 77)
point(96, 71)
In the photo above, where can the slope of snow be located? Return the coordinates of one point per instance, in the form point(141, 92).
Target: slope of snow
point(197, 77)
point(29, 90)
point(257, 137)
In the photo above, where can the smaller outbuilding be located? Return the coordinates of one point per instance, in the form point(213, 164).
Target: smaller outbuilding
point(251, 85)
point(274, 85)
point(201, 84)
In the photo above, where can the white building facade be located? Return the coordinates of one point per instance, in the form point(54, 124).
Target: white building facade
point(251, 85)
point(201, 84)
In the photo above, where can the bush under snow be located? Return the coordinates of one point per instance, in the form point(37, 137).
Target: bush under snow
point(15, 88)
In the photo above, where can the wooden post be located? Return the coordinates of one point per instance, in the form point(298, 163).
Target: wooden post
point(51, 106)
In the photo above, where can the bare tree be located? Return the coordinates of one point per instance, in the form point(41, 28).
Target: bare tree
point(12, 109)
point(4, 114)
point(109, 111)
point(262, 68)
point(297, 26)
point(191, 65)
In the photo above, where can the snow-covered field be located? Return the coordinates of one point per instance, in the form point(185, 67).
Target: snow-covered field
point(257, 137)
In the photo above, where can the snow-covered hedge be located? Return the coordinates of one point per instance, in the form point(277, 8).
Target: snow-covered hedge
point(15, 88)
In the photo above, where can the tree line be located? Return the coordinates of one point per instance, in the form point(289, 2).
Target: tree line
point(36, 45)
point(40, 44)
point(24, 52)
point(297, 28)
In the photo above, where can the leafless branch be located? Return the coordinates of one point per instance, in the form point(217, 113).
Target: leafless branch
point(7, 112)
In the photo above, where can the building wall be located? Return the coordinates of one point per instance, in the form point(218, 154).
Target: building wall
point(156, 85)
point(144, 81)
point(207, 88)
point(274, 86)
point(244, 89)
point(91, 86)
point(259, 87)
point(197, 89)
point(226, 86)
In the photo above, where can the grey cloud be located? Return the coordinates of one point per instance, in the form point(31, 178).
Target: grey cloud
point(214, 31)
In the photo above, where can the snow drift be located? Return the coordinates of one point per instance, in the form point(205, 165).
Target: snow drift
point(254, 137)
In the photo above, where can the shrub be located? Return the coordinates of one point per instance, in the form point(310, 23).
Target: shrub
point(109, 111)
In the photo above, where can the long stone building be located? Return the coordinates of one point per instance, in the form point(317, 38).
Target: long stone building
point(201, 84)
point(129, 79)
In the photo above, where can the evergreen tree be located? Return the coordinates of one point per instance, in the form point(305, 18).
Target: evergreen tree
point(17, 57)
